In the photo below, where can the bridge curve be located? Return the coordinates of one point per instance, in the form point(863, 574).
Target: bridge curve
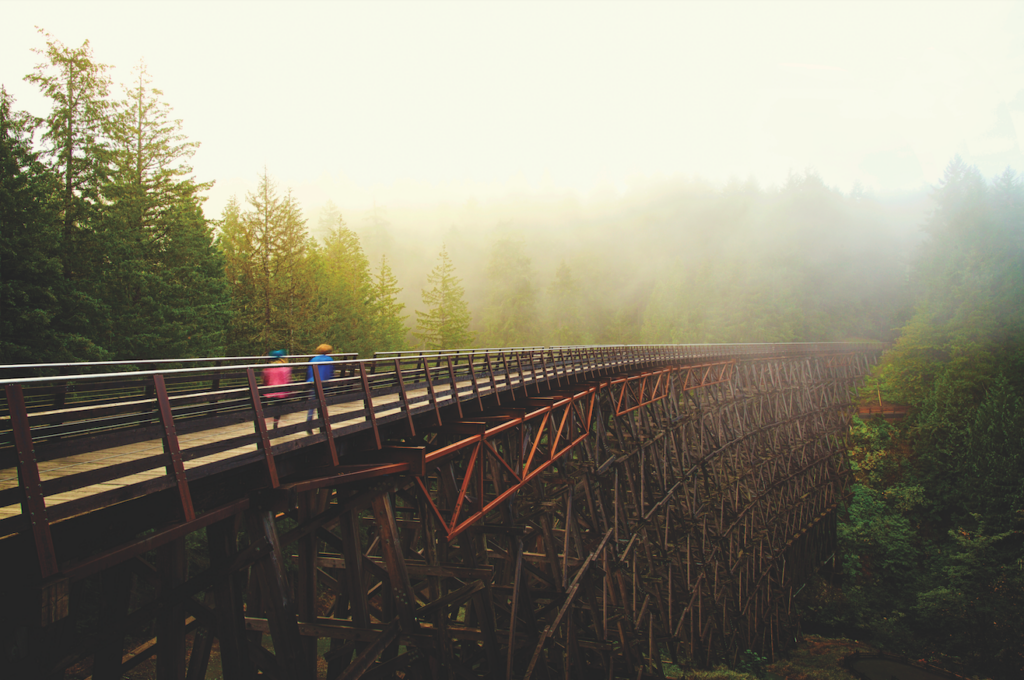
point(482, 513)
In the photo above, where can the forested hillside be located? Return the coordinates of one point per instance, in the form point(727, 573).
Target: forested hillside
point(933, 549)
point(106, 252)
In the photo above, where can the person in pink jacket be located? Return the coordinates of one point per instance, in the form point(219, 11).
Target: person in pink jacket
point(277, 375)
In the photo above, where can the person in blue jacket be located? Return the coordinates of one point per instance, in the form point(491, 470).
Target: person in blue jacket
point(326, 371)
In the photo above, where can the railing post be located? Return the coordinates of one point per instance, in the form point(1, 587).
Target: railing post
point(368, 400)
point(405, 397)
point(325, 418)
point(494, 384)
point(33, 505)
point(522, 378)
point(455, 386)
point(471, 358)
point(172, 451)
point(430, 391)
point(215, 383)
point(261, 428)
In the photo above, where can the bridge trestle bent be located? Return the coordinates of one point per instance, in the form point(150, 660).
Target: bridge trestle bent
point(584, 523)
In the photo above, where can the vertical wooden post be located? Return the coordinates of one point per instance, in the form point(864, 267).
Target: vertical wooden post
point(170, 621)
point(32, 505)
point(404, 596)
point(234, 655)
point(455, 387)
point(494, 384)
point(405, 398)
point(172, 452)
point(355, 586)
point(470, 360)
point(430, 390)
point(325, 419)
point(368, 401)
point(305, 580)
point(277, 600)
point(115, 584)
point(261, 429)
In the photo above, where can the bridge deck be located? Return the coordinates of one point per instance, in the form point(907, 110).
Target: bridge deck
point(106, 443)
point(576, 486)
point(346, 414)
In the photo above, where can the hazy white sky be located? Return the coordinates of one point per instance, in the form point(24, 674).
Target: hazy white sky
point(413, 103)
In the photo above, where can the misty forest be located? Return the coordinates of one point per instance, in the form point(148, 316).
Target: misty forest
point(106, 253)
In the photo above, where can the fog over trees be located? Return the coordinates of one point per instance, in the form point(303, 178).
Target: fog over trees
point(139, 271)
point(106, 253)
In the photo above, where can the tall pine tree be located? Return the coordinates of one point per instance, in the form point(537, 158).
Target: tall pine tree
point(268, 271)
point(388, 321)
point(343, 315)
point(75, 149)
point(510, 317)
point(30, 267)
point(167, 294)
point(445, 324)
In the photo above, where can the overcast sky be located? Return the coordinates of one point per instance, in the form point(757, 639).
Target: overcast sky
point(412, 103)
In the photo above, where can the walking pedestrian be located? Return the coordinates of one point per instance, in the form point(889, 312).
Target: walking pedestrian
point(277, 375)
point(326, 371)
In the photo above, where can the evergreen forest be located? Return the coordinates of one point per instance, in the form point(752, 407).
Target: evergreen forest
point(106, 253)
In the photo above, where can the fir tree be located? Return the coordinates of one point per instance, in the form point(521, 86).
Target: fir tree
point(343, 290)
point(445, 324)
point(510, 318)
point(75, 149)
point(30, 268)
point(564, 295)
point(73, 133)
point(267, 269)
point(167, 294)
point(389, 327)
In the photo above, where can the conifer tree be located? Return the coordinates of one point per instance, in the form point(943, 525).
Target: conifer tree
point(343, 291)
point(73, 133)
point(167, 295)
point(74, 148)
point(30, 267)
point(445, 324)
point(388, 321)
point(267, 269)
point(566, 325)
point(510, 317)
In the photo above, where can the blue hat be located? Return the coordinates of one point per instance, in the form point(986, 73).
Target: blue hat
point(278, 353)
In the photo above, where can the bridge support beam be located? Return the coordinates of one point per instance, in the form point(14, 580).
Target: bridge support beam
point(592, 529)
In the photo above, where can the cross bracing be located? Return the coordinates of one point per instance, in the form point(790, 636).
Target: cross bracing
point(537, 512)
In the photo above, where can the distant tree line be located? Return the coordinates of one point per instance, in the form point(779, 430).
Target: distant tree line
point(106, 253)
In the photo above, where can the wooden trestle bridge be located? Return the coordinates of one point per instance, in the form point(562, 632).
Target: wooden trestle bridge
point(570, 512)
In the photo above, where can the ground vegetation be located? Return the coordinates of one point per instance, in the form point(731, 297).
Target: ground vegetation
point(933, 542)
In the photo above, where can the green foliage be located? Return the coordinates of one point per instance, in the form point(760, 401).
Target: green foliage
point(511, 315)
point(565, 313)
point(779, 266)
point(167, 297)
point(271, 284)
point(752, 663)
point(30, 267)
point(934, 549)
point(388, 322)
point(445, 324)
point(73, 133)
point(344, 301)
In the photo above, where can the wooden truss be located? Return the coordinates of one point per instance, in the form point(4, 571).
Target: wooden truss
point(589, 529)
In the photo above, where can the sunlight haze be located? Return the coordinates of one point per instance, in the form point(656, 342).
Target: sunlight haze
point(409, 104)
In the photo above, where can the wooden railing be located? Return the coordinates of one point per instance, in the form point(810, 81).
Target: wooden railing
point(77, 442)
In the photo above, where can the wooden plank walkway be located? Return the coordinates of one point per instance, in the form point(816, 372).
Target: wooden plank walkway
point(108, 446)
point(344, 415)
